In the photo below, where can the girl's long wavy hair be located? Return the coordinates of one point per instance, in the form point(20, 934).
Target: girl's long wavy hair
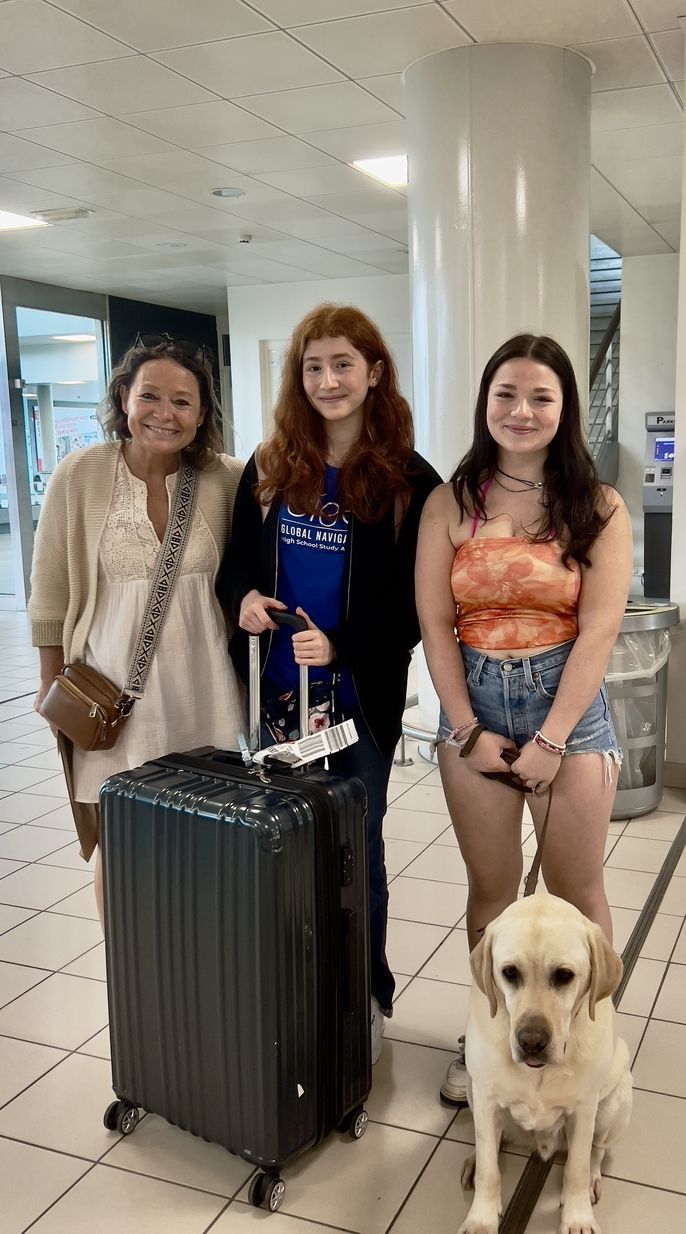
point(575, 508)
point(293, 459)
point(207, 443)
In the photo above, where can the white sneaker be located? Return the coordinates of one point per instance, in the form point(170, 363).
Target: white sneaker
point(378, 1025)
point(454, 1086)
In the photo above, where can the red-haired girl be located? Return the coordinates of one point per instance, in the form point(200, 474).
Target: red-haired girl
point(325, 524)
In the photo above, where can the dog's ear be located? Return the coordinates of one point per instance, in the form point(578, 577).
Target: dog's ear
point(606, 969)
point(481, 963)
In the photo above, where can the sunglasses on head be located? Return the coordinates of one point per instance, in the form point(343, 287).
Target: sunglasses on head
point(188, 347)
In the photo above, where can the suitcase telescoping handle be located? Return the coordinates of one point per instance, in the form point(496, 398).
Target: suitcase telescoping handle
point(296, 624)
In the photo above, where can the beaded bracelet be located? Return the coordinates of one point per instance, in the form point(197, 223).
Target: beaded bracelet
point(550, 747)
point(462, 728)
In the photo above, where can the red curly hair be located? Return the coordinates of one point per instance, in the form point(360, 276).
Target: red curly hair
point(293, 459)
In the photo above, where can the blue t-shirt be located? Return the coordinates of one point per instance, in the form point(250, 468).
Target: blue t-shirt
point(311, 571)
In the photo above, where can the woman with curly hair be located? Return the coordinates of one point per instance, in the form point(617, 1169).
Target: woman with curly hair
point(526, 556)
point(98, 540)
point(325, 524)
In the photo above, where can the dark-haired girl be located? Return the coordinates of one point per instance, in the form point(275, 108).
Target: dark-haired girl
point(325, 524)
point(527, 557)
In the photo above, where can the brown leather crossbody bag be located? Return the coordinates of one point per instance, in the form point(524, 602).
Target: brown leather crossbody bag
point(83, 704)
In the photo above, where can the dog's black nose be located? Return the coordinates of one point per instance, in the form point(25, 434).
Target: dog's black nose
point(533, 1039)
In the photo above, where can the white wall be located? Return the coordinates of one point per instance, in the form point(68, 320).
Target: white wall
point(271, 312)
point(647, 372)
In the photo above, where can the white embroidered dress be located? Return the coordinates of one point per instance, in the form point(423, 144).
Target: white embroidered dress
point(191, 696)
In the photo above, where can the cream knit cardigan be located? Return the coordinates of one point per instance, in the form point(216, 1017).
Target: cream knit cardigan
point(64, 574)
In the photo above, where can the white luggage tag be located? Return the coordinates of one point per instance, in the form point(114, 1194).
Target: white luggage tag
point(309, 749)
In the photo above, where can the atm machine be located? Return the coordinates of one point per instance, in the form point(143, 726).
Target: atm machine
point(658, 480)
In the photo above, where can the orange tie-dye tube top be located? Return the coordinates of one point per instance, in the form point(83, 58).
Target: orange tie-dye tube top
point(511, 592)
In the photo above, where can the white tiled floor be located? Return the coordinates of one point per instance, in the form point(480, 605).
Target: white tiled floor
point(61, 1172)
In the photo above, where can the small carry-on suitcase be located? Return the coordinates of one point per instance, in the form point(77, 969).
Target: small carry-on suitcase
point(236, 920)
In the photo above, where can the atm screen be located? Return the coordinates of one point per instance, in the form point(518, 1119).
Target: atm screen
point(664, 450)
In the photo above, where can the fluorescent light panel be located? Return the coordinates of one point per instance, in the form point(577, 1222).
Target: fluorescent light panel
point(16, 222)
point(74, 338)
point(391, 170)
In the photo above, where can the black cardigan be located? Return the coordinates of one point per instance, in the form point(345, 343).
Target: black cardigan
point(378, 624)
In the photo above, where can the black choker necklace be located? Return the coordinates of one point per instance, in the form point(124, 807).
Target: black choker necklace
point(518, 480)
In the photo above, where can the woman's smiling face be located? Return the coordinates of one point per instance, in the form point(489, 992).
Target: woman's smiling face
point(162, 406)
point(524, 406)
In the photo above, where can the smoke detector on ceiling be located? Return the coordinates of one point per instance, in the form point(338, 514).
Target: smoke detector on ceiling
point(244, 238)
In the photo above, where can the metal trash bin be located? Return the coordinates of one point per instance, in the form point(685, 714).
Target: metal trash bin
point(636, 682)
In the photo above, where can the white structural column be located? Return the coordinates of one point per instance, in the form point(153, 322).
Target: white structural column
point(675, 764)
point(46, 411)
point(499, 175)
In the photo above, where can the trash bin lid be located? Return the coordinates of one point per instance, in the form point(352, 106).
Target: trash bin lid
point(649, 615)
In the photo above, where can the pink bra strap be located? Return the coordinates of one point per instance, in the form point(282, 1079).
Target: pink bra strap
point(476, 519)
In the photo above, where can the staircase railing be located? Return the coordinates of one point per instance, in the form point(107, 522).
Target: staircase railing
point(603, 403)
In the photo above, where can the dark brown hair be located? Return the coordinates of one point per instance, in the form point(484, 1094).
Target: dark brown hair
point(293, 459)
point(208, 439)
point(575, 508)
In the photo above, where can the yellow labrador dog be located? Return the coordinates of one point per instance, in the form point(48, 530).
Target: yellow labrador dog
point(543, 1053)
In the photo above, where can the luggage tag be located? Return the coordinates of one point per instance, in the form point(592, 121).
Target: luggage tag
point(311, 748)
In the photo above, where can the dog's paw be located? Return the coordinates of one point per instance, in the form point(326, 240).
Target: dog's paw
point(479, 1226)
point(468, 1172)
point(578, 1219)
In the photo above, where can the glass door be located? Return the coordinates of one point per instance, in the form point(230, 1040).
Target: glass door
point(54, 377)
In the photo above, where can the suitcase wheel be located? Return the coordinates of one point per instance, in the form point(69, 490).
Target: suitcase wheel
point(121, 1116)
point(267, 1191)
point(359, 1121)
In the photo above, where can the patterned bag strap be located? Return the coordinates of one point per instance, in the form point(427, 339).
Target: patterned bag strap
point(162, 584)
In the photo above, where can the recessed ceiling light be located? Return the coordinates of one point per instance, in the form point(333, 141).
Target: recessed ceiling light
point(391, 170)
point(70, 383)
point(16, 222)
point(74, 338)
point(64, 214)
point(228, 192)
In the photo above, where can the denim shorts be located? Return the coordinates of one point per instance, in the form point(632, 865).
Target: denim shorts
point(513, 698)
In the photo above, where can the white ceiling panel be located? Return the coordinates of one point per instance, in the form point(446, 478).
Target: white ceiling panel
point(97, 140)
point(636, 108)
point(97, 186)
point(35, 36)
point(317, 180)
point(188, 174)
point(118, 86)
point(634, 240)
point(389, 88)
point(659, 14)
point(363, 141)
point(275, 154)
point(620, 146)
point(544, 21)
point(288, 13)
point(204, 124)
point(364, 244)
point(18, 155)
point(263, 62)
point(153, 25)
point(306, 111)
point(620, 63)
point(21, 197)
point(671, 232)
point(383, 42)
point(24, 105)
point(670, 48)
point(653, 187)
point(324, 228)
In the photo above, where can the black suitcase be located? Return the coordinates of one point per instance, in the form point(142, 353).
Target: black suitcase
point(236, 920)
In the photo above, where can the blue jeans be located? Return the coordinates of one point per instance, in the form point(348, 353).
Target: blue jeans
point(364, 761)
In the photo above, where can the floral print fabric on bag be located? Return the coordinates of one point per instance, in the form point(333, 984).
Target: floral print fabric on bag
point(511, 592)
